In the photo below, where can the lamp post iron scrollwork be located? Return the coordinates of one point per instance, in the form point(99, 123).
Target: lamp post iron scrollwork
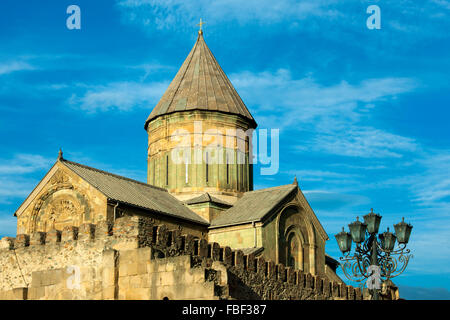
point(374, 259)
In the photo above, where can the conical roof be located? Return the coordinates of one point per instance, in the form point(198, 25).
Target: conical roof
point(201, 84)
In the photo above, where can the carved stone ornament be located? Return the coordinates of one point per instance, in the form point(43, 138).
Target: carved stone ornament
point(59, 178)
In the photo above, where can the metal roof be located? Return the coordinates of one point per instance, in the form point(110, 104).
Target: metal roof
point(134, 192)
point(206, 197)
point(254, 205)
point(201, 84)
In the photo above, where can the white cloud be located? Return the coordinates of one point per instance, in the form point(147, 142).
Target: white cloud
point(122, 96)
point(24, 163)
point(336, 114)
point(169, 14)
point(319, 175)
point(365, 143)
point(429, 183)
point(13, 66)
point(14, 179)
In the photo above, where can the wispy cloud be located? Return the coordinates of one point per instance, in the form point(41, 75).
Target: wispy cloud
point(15, 179)
point(428, 179)
point(23, 163)
point(177, 13)
point(122, 96)
point(337, 114)
point(13, 66)
point(319, 175)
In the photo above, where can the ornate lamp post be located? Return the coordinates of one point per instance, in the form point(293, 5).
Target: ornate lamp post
point(374, 259)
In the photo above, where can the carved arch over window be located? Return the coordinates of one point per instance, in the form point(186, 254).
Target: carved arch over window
point(295, 239)
point(61, 205)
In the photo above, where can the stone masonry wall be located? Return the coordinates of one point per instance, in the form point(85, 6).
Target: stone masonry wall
point(135, 259)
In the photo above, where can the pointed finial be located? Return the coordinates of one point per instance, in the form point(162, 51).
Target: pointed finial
point(200, 31)
point(295, 181)
point(371, 210)
point(60, 154)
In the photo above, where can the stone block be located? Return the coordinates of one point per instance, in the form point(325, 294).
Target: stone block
point(189, 244)
point(271, 270)
point(227, 256)
point(350, 293)
point(19, 293)
point(215, 251)
point(162, 236)
point(36, 293)
point(250, 262)
point(69, 233)
point(203, 248)
point(309, 281)
point(7, 243)
point(261, 266)
point(109, 293)
point(281, 272)
point(239, 259)
point(86, 232)
point(290, 275)
point(37, 238)
point(358, 294)
point(343, 291)
point(110, 258)
point(109, 276)
point(335, 290)
point(22, 240)
point(318, 283)
point(103, 229)
point(53, 236)
point(326, 288)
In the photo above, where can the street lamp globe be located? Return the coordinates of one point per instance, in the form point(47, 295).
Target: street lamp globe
point(403, 231)
point(387, 240)
point(344, 240)
point(373, 222)
point(358, 230)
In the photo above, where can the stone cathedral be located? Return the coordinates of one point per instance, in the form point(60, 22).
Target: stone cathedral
point(196, 215)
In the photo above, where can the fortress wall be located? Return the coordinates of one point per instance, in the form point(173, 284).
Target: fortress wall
point(135, 259)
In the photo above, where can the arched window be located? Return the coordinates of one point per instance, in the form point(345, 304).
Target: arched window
point(293, 253)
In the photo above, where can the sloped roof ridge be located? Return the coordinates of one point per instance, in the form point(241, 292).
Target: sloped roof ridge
point(270, 188)
point(114, 175)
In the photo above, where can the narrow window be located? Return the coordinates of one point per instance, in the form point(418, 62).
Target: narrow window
point(154, 169)
point(187, 172)
point(228, 171)
point(207, 167)
point(167, 170)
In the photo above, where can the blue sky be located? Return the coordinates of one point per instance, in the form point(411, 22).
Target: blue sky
point(363, 114)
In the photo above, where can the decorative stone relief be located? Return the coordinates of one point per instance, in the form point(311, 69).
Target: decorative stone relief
point(61, 205)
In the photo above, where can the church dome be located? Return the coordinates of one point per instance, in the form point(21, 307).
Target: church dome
point(201, 84)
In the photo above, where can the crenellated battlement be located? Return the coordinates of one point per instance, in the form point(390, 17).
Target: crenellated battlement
point(86, 245)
